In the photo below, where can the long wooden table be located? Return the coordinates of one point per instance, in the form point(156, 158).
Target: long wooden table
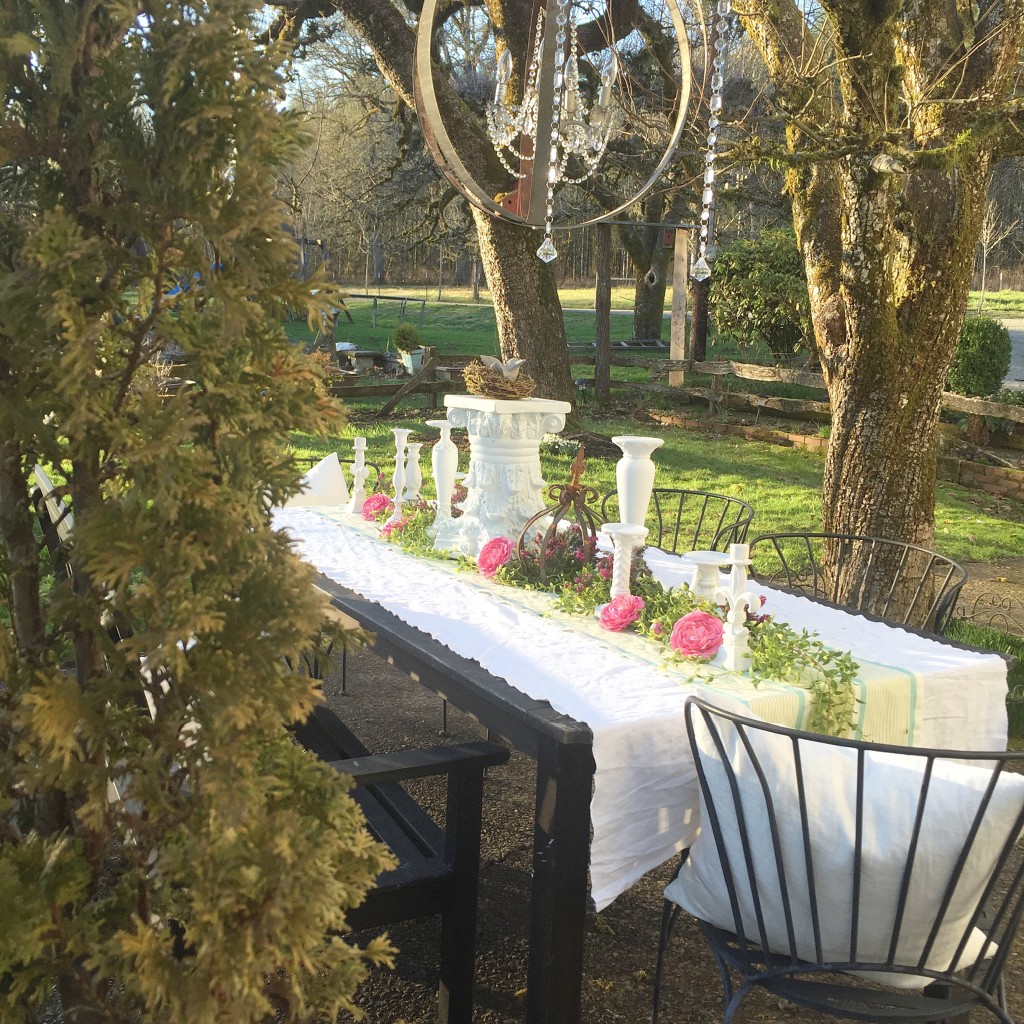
point(643, 806)
point(563, 751)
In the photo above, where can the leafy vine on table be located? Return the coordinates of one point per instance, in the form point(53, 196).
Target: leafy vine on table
point(689, 630)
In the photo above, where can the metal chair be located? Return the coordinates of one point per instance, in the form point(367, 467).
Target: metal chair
point(901, 582)
point(691, 520)
point(865, 881)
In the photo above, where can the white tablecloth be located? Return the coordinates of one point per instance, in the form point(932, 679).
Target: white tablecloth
point(644, 804)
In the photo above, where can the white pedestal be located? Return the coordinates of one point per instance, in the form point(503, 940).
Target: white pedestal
point(504, 482)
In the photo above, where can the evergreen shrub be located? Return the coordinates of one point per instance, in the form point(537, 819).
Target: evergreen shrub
point(982, 358)
point(759, 294)
point(139, 149)
point(406, 337)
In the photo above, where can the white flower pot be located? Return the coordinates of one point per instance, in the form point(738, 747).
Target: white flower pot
point(412, 361)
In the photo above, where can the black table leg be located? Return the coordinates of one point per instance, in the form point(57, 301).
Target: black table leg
point(558, 907)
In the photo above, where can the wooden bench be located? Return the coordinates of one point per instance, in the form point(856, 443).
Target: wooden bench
point(438, 868)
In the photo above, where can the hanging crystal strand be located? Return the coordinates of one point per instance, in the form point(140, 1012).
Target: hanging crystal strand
point(547, 251)
point(701, 270)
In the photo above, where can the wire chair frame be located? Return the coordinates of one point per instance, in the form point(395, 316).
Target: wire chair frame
point(691, 520)
point(899, 582)
point(787, 971)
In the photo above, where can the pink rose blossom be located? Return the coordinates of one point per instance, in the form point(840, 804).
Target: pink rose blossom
point(657, 628)
point(620, 612)
point(493, 555)
point(374, 505)
point(395, 526)
point(697, 635)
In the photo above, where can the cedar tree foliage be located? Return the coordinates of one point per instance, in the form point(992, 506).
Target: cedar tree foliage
point(167, 853)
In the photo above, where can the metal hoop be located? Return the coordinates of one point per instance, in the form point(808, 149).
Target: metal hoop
point(454, 169)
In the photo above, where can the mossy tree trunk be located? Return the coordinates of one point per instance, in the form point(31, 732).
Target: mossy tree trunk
point(888, 188)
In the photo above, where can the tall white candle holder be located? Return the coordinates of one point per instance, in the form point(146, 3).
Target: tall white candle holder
point(736, 638)
point(413, 472)
point(626, 538)
point(634, 476)
point(359, 475)
point(444, 461)
point(398, 477)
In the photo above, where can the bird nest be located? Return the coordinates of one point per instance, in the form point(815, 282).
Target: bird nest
point(481, 380)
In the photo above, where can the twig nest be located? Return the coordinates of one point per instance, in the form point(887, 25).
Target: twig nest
point(482, 380)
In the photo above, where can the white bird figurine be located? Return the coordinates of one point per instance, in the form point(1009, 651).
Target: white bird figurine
point(509, 370)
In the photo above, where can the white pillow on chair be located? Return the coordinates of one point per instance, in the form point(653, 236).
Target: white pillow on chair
point(324, 484)
point(891, 786)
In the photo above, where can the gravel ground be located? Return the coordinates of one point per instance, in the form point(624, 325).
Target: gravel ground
point(388, 712)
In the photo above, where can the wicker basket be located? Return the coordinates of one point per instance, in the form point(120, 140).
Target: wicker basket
point(481, 380)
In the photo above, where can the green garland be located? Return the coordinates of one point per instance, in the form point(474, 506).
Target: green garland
point(580, 586)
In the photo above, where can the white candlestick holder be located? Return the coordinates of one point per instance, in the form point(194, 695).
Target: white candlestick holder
point(626, 538)
point(736, 638)
point(444, 461)
point(398, 477)
point(413, 472)
point(359, 475)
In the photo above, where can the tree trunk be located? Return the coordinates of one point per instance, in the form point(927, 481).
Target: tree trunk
point(888, 314)
point(649, 259)
point(526, 305)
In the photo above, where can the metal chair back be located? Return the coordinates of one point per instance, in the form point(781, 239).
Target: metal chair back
point(899, 582)
point(686, 520)
point(941, 886)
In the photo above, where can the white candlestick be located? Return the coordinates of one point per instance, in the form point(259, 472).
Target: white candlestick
point(626, 538)
point(736, 639)
point(413, 473)
point(444, 461)
point(359, 475)
point(398, 477)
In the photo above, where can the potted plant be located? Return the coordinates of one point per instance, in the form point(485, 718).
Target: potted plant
point(406, 339)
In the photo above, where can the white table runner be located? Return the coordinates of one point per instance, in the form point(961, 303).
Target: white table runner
point(644, 805)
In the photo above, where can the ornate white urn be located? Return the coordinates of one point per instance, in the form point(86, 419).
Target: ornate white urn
point(505, 484)
point(634, 476)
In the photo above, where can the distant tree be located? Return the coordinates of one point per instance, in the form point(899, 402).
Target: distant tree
point(167, 852)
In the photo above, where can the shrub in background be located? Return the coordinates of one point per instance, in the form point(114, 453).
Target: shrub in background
point(406, 338)
point(982, 358)
point(138, 149)
point(759, 294)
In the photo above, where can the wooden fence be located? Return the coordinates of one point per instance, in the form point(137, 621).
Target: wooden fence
point(720, 369)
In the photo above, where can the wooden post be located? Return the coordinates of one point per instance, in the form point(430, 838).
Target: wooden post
point(679, 347)
point(603, 311)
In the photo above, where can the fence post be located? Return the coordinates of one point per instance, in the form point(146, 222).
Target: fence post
point(603, 313)
point(679, 347)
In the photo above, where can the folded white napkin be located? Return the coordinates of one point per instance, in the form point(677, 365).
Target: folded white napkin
point(324, 484)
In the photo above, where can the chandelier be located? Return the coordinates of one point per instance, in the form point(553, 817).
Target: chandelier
point(579, 91)
point(552, 116)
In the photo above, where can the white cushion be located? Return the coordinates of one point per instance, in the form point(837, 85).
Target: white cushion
point(324, 484)
point(892, 785)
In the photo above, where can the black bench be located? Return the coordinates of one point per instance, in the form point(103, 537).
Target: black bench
point(438, 867)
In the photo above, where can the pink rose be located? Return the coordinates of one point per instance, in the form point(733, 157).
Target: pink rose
point(394, 526)
point(620, 612)
point(374, 505)
point(697, 635)
point(493, 555)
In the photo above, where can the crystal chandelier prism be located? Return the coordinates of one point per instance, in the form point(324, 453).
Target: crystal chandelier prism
point(521, 133)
